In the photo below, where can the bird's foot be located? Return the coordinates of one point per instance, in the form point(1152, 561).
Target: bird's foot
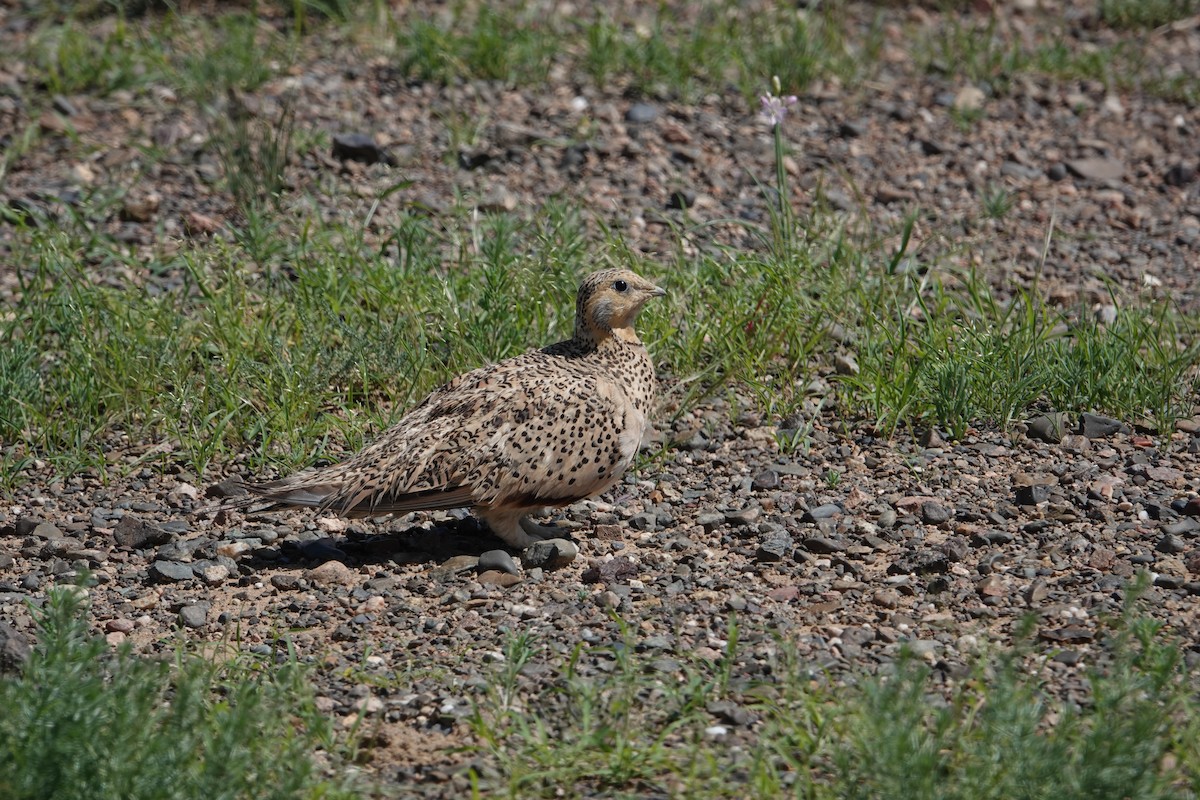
point(519, 531)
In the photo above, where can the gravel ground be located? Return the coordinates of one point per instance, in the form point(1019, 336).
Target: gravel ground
point(847, 547)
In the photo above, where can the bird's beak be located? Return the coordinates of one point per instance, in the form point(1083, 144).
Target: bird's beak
point(658, 291)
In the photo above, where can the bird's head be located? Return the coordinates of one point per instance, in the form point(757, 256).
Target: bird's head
point(609, 302)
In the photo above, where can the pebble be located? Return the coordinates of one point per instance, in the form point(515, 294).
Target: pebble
point(549, 554)
point(1096, 169)
point(641, 113)
point(765, 480)
point(170, 572)
point(360, 147)
point(1048, 427)
point(497, 560)
point(495, 577)
point(332, 573)
point(137, 534)
point(1094, 426)
point(15, 648)
point(935, 513)
point(194, 616)
point(824, 511)
point(774, 546)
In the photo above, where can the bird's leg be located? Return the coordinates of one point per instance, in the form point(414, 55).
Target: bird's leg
point(516, 529)
point(539, 532)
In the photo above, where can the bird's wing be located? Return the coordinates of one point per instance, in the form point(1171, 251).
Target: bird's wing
point(517, 434)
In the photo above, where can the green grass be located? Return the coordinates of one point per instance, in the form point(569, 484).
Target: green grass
point(293, 346)
point(83, 721)
point(1146, 13)
point(633, 728)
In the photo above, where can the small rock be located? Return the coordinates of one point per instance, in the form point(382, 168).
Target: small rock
point(1170, 544)
point(609, 532)
point(641, 113)
point(1048, 427)
point(495, 577)
point(1094, 426)
point(285, 581)
point(1096, 169)
point(1032, 495)
point(681, 199)
point(45, 530)
point(608, 599)
point(497, 560)
point(1056, 172)
point(969, 99)
point(137, 534)
point(170, 572)
point(549, 554)
point(15, 648)
point(823, 545)
point(934, 513)
point(765, 480)
point(746, 516)
point(212, 574)
point(360, 147)
point(774, 546)
point(120, 625)
point(140, 207)
point(610, 571)
point(1180, 174)
point(825, 511)
point(194, 616)
point(844, 364)
point(332, 573)
point(886, 598)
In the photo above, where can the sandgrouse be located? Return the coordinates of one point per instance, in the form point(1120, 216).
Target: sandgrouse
point(546, 428)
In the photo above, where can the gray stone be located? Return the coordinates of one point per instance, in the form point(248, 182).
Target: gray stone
point(1170, 544)
point(1094, 426)
point(641, 113)
point(765, 480)
point(549, 554)
point(136, 534)
point(1096, 169)
point(498, 560)
point(43, 530)
point(170, 572)
point(746, 516)
point(774, 546)
point(15, 648)
point(194, 616)
point(823, 545)
point(1048, 427)
point(1032, 495)
point(645, 521)
point(360, 147)
point(826, 511)
point(935, 513)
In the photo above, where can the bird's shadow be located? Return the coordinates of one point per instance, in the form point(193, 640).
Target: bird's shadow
point(366, 544)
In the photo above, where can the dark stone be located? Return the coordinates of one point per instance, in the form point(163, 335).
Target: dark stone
point(1032, 495)
point(825, 511)
point(473, 161)
point(1056, 172)
point(611, 571)
point(934, 513)
point(360, 147)
point(498, 560)
point(1180, 174)
point(774, 546)
point(765, 480)
point(1048, 427)
point(852, 130)
point(285, 581)
point(1170, 544)
point(549, 554)
point(170, 572)
point(15, 648)
point(681, 199)
point(931, 148)
point(823, 545)
point(1094, 426)
point(137, 534)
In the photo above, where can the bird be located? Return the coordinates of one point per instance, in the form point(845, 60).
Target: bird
point(546, 428)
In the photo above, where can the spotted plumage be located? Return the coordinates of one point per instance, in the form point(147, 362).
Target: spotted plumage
point(546, 428)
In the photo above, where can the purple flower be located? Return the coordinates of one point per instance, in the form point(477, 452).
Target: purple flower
point(775, 108)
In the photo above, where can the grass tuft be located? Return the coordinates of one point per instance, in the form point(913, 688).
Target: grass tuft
point(82, 721)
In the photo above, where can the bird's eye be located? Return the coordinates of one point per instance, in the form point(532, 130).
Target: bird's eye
point(621, 286)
